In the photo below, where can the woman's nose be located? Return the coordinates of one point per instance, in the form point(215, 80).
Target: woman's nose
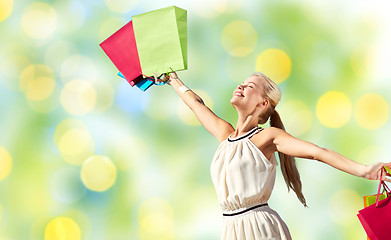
point(240, 86)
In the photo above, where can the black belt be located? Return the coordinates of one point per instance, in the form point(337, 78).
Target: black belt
point(246, 210)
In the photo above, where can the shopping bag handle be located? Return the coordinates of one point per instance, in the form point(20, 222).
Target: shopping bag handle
point(385, 188)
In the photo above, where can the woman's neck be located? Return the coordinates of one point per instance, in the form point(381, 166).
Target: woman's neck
point(244, 124)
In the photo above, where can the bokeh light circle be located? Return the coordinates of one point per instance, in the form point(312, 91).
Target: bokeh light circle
point(343, 206)
point(275, 63)
point(362, 59)
point(156, 219)
point(334, 109)
point(39, 21)
point(212, 8)
point(73, 141)
point(120, 6)
point(59, 51)
point(371, 111)
point(62, 228)
point(5, 163)
point(78, 97)
point(72, 15)
point(185, 113)
point(105, 96)
point(5, 9)
point(297, 117)
point(226, 6)
point(37, 82)
point(98, 173)
point(79, 67)
point(239, 38)
point(12, 65)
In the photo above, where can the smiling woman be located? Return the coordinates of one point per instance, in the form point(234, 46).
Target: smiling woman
point(243, 169)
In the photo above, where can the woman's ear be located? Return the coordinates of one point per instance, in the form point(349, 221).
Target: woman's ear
point(263, 103)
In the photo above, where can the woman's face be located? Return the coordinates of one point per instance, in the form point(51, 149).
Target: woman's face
point(248, 94)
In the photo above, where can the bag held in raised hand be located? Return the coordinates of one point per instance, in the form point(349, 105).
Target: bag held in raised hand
point(122, 50)
point(161, 38)
point(376, 218)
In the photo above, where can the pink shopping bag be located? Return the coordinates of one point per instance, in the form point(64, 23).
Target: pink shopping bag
point(376, 218)
point(121, 48)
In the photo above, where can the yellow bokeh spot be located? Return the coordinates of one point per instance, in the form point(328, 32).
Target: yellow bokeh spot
point(371, 111)
point(78, 97)
point(73, 141)
point(239, 38)
point(98, 173)
point(62, 228)
point(334, 109)
point(120, 6)
point(186, 115)
point(361, 60)
point(37, 82)
point(343, 206)
point(5, 163)
point(156, 220)
point(296, 116)
point(40, 89)
point(227, 6)
point(39, 21)
point(105, 96)
point(275, 63)
point(66, 125)
point(5, 9)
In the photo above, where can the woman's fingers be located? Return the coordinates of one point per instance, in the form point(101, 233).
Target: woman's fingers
point(387, 180)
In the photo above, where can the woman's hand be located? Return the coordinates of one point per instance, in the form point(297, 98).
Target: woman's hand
point(374, 171)
point(170, 77)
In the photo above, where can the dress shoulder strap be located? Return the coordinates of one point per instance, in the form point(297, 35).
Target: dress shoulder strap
point(254, 131)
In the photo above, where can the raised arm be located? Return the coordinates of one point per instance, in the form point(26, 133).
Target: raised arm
point(219, 128)
point(287, 144)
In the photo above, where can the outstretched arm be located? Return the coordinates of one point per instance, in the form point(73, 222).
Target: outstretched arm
point(219, 128)
point(292, 146)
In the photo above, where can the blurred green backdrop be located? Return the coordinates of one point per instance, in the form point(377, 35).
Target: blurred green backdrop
point(147, 174)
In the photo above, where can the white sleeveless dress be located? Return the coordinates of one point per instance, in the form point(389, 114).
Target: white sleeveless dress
point(244, 178)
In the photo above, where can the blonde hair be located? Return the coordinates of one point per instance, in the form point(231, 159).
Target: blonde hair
point(288, 163)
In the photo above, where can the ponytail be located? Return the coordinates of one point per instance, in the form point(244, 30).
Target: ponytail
point(288, 163)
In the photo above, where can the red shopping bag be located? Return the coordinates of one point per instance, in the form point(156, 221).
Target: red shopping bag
point(121, 48)
point(376, 218)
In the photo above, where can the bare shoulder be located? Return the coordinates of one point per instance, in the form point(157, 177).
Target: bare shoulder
point(264, 136)
point(226, 130)
point(267, 135)
point(272, 132)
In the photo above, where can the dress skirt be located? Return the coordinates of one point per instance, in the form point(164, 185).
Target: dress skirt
point(262, 223)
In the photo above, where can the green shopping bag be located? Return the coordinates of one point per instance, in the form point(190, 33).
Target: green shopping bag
point(161, 38)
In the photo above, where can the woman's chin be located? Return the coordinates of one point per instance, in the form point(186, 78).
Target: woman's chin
point(235, 102)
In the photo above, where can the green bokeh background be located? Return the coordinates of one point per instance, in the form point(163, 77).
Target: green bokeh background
point(163, 188)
